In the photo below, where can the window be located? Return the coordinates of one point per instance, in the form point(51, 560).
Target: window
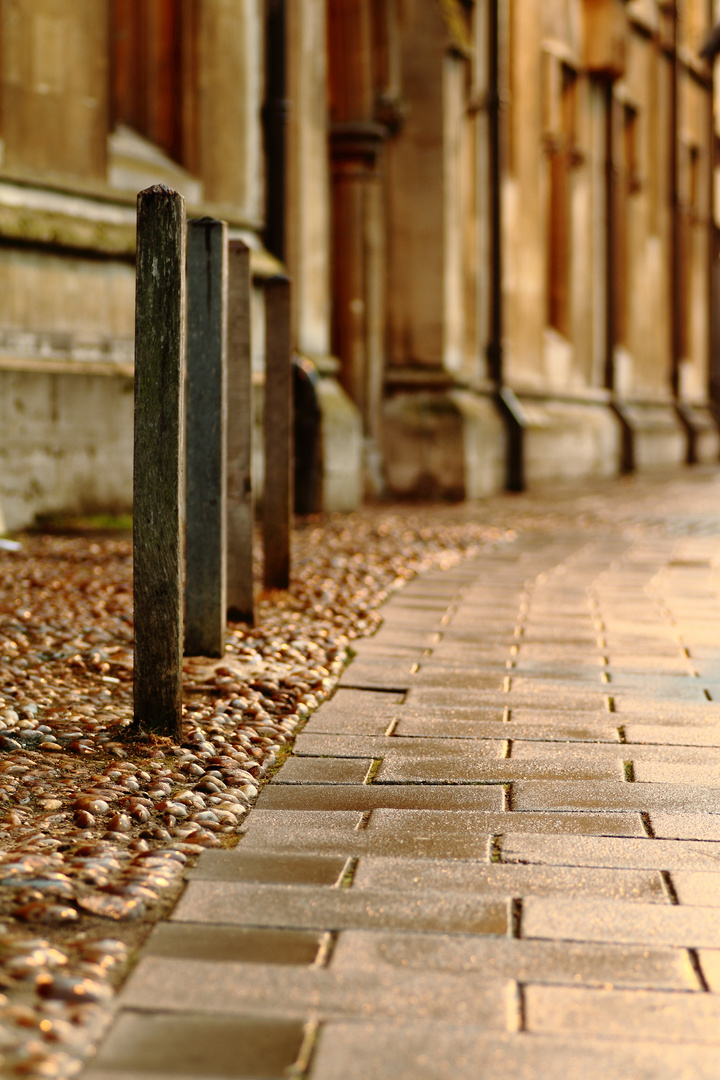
point(689, 218)
point(627, 183)
point(561, 136)
point(153, 72)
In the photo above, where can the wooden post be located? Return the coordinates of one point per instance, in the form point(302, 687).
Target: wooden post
point(277, 500)
point(157, 549)
point(240, 503)
point(206, 468)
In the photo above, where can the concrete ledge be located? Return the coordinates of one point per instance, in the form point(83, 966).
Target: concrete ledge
point(447, 444)
point(484, 444)
point(65, 444)
point(568, 440)
point(702, 433)
point(342, 448)
point(653, 435)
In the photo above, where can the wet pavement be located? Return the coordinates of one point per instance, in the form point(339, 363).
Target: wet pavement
point(495, 851)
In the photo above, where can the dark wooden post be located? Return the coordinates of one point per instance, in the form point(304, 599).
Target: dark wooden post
point(157, 549)
point(240, 503)
point(206, 469)
point(277, 498)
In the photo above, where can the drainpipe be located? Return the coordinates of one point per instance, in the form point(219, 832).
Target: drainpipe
point(275, 114)
point(709, 52)
point(627, 448)
point(714, 262)
point(495, 344)
point(610, 322)
point(507, 403)
point(675, 239)
point(712, 246)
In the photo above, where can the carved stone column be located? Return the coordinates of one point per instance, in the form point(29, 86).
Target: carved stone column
point(355, 148)
point(357, 247)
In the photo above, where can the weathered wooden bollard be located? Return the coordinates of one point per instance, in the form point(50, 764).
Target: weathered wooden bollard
point(206, 421)
point(277, 496)
point(157, 548)
point(240, 503)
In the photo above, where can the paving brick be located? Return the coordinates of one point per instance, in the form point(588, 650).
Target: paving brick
point(456, 710)
point(523, 693)
point(367, 648)
point(663, 711)
point(323, 770)
point(446, 1052)
point(328, 841)
point(668, 688)
point(606, 795)
point(367, 701)
point(399, 615)
point(575, 673)
point(411, 842)
point(620, 923)
point(233, 944)
point(697, 887)
point(459, 680)
point(371, 675)
point(362, 711)
point(309, 907)
point(387, 796)
point(537, 654)
point(293, 821)
point(663, 756)
point(405, 614)
point(667, 735)
point(405, 769)
point(409, 724)
point(666, 1017)
point(685, 826)
point(110, 1074)
point(411, 635)
point(612, 852)
point(453, 653)
point(467, 823)
point(672, 772)
point(577, 636)
point(411, 833)
point(710, 966)
point(462, 634)
point(559, 715)
point(509, 958)
point(293, 991)
point(239, 864)
point(373, 746)
point(357, 723)
point(424, 600)
point(194, 1044)
point(500, 879)
point(648, 662)
point(648, 629)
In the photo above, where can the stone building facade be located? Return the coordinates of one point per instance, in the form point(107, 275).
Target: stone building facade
point(572, 244)
point(497, 216)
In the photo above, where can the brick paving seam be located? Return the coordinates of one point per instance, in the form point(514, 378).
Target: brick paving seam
point(495, 851)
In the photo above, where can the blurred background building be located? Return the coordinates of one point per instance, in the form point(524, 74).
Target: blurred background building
point(497, 216)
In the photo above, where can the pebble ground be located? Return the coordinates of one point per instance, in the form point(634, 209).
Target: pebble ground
point(495, 851)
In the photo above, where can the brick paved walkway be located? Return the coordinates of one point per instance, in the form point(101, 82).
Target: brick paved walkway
point(496, 851)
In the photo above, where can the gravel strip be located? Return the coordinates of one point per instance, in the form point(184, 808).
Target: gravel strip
point(96, 827)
